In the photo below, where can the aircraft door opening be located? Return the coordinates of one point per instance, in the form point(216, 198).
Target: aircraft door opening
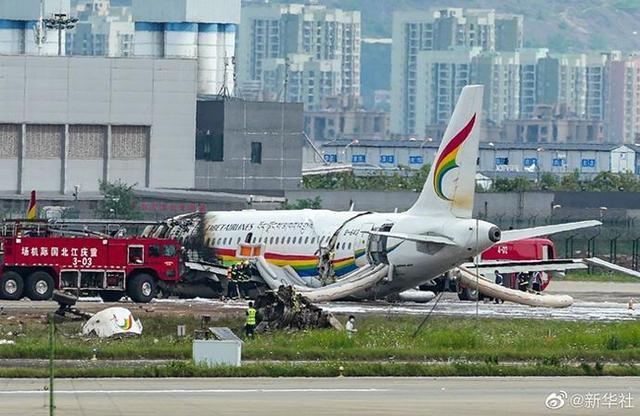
point(377, 246)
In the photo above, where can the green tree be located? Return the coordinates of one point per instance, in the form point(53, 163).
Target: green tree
point(548, 181)
point(119, 201)
point(570, 182)
point(311, 203)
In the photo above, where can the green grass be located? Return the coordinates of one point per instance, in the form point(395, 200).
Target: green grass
point(584, 276)
point(378, 339)
point(332, 369)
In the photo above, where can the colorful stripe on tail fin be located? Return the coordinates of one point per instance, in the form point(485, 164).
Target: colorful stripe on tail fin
point(450, 186)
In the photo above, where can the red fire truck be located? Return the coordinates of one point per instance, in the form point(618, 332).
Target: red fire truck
point(503, 256)
point(528, 249)
point(35, 261)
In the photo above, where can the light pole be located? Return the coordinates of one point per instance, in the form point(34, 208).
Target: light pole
point(602, 211)
point(538, 150)
point(60, 22)
point(495, 161)
point(344, 151)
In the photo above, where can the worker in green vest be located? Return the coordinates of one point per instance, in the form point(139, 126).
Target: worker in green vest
point(250, 325)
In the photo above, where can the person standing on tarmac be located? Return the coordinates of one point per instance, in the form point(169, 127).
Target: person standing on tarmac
point(250, 324)
point(499, 280)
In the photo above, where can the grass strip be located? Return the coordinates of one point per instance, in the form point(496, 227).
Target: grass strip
point(597, 276)
point(378, 339)
point(332, 369)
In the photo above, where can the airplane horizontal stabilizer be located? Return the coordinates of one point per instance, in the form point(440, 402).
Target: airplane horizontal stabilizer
point(513, 235)
point(415, 237)
point(486, 267)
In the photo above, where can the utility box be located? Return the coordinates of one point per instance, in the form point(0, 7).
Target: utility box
point(222, 347)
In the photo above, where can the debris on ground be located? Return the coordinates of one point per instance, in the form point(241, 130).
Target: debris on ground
point(287, 309)
point(7, 342)
point(66, 303)
point(112, 321)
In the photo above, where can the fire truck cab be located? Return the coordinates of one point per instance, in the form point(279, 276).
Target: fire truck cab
point(35, 261)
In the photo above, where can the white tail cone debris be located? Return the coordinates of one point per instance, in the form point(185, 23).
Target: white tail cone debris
point(112, 321)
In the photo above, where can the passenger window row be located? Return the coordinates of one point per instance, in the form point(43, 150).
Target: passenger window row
point(224, 241)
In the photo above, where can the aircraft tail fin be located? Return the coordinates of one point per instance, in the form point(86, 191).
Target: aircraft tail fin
point(450, 186)
point(32, 211)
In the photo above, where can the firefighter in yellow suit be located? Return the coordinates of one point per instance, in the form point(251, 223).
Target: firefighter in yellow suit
point(250, 325)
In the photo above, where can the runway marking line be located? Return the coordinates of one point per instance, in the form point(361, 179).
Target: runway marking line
point(187, 391)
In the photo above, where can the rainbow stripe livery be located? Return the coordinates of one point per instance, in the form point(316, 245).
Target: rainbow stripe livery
point(447, 159)
point(303, 265)
point(127, 324)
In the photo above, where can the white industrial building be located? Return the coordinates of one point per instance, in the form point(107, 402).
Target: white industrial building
point(499, 159)
point(203, 30)
point(67, 121)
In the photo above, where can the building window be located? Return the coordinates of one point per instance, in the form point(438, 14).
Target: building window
point(358, 158)
point(256, 152)
point(387, 159)
point(588, 163)
point(210, 146)
point(331, 158)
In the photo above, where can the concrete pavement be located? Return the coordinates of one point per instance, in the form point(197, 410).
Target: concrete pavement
point(338, 396)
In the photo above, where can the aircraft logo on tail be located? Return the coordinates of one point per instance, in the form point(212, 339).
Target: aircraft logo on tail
point(32, 211)
point(447, 160)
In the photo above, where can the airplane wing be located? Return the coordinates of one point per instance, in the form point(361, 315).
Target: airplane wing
point(512, 235)
point(418, 238)
point(525, 266)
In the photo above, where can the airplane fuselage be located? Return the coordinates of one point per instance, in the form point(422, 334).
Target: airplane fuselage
point(300, 238)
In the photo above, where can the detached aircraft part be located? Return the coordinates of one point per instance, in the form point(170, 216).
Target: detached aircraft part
point(354, 282)
point(112, 321)
point(594, 261)
point(484, 286)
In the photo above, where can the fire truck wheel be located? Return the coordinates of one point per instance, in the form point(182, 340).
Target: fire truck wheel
point(111, 295)
point(141, 288)
point(11, 286)
point(39, 286)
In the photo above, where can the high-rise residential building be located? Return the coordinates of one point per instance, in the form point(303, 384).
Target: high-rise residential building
point(291, 39)
point(529, 80)
point(440, 77)
point(622, 112)
point(102, 30)
point(562, 80)
point(499, 72)
point(596, 92)
point(299, 78)
point(442, 29)
point(509, 32)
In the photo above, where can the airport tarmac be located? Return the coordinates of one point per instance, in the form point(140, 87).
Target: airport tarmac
point(594, 301)
point(324, 396)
